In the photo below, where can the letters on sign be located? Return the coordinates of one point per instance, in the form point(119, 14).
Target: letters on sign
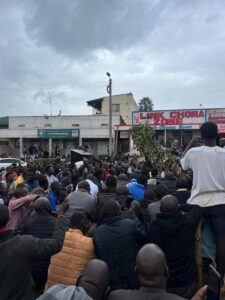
point(168, 118)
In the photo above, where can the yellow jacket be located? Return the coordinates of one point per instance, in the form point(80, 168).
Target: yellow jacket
point(67, 265)
point(19, 180)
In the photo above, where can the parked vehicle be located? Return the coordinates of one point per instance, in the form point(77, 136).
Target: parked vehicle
point(6, 162)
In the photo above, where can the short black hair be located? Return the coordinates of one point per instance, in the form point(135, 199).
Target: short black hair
point(154, 172)
point(141, 179)
point(79, 220)
point(43, 181)
point(55, 186)
point(181, 183)
point(83, 184)
point(20, 190)
point(161, 190)
point(111, 209)
point(209, 131)
point(4, 215)
point(111, 181)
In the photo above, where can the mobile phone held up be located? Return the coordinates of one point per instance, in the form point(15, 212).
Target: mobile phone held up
point(214, 284)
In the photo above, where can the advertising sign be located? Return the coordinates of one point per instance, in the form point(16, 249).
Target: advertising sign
point(58, 133)
point(171, 119)
point(217, 115)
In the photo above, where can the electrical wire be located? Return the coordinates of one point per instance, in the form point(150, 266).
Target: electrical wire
point(61, 87)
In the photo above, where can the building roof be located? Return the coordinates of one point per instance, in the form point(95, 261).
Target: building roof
point(96, 103)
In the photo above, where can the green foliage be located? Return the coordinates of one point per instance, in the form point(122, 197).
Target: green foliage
point(145, 104)
point(44, 161)
point(144, 139)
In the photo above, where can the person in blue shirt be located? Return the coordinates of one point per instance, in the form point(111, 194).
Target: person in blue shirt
point(54, 195)
point(138, 189)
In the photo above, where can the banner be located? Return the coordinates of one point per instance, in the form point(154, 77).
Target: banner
point(217, 115)
point(170, 119)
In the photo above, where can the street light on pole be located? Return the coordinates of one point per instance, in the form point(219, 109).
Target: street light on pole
point(109, 90)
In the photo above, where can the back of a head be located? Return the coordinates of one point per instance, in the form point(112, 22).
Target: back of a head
point(43, 181)
point(20, 191)
point(161, 190)
point(79, 220)
point(123, 177)
point(152, 267)
point(169, 204)
point(111, 181)
point(209, 131)
point(133, 176)
point(55, 187)
point(122, 190)
point(66, 172)
point(84, 185)
point(181, 183)
point(4, 215)
point(95, 279)
point(41, 204)
point(149, 195)
point(141, 179)
point(111, 209)
point(154, 172)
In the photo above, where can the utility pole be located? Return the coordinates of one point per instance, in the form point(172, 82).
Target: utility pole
point(50, 100)
point(109, 90)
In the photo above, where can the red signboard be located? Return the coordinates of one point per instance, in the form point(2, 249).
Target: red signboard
point(173, 119)
point(217, 115)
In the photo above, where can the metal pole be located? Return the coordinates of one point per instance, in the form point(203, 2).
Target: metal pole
point(50, 100)
point(109, 90)
point(165, 137)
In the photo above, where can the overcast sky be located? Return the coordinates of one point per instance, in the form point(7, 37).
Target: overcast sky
point(171, 50)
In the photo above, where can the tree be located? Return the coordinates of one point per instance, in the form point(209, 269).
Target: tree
point(145, 104)
point(144, 140)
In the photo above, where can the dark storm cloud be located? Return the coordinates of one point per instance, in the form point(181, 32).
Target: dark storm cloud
point(172, 51)
point(82, 26)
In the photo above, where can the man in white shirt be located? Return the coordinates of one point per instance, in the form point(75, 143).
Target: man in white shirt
point(208, 191)
point(49, 174)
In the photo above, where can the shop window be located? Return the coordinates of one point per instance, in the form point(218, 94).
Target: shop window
point(115, 108)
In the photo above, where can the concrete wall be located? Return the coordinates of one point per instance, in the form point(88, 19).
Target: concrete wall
point(127, 105)
point(92, 126)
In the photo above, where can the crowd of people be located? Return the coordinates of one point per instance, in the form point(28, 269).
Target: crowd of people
point(113, 229)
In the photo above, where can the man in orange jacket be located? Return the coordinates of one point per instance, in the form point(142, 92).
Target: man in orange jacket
point(77, 251)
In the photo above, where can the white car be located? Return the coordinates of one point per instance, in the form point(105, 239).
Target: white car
point(6, 162)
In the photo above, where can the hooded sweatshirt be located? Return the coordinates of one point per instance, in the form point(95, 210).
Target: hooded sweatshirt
point(175, 233)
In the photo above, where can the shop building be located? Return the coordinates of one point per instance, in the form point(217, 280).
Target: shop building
point(46, 133)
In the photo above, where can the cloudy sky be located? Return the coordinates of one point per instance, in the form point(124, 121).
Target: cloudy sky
point(170, 50)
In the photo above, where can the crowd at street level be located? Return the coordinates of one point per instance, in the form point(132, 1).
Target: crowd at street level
point(112, 230)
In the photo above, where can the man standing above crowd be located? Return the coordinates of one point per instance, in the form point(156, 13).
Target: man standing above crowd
point(208, 165)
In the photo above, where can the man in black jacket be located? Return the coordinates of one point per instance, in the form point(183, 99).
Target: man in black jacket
point(153, 274)
point(40, 224)
point(17, 254)
point(174, 232)
point(117, 242)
